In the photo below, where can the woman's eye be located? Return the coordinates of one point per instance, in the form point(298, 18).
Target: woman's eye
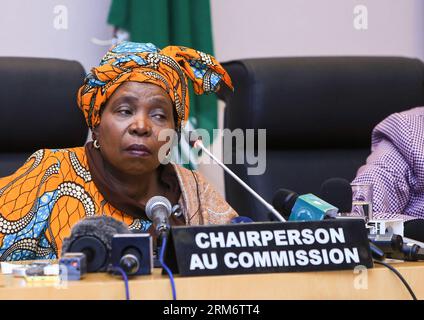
point(159, 116)
point(124, 112)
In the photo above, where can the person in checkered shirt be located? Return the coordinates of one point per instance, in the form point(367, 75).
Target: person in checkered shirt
point(395, 166)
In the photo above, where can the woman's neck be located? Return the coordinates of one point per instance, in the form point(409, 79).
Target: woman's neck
point(138, 187)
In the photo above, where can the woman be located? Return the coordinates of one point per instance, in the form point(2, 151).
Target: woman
point(135, 93)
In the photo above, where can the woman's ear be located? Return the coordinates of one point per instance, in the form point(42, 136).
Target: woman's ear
point(95, 132)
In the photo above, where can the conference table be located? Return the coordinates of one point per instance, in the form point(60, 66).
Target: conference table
point(376, 283)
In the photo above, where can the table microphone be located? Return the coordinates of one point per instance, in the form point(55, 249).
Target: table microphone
point(306, 207)
point(389, 243)
point(376, 252)
point(338, 192)
point(93, 237)
point(414, 229)
point(196, 142)
point(394, 247)
point(284, 200)
point(409, 252)
point(158, 210)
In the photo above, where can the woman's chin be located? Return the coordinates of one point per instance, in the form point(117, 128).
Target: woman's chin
point(139, 167)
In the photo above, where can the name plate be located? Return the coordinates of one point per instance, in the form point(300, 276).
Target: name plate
point(265, 247)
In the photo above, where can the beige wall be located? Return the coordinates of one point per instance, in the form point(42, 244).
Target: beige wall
point(27, 28)
point(251, 28)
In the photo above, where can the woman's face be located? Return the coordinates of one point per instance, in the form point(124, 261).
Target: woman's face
point(130, 124)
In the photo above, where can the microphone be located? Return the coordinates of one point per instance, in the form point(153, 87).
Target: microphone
point(133, 253)
point(337, 191)
point(93, 237)
point(414, 229)
point(389, 243)
point(409, 252)
point(395, 248)
point(196, 141)
point(307, 207)
point(284, 200)
point(376, 252)
point(158, 210)
point(130, 260)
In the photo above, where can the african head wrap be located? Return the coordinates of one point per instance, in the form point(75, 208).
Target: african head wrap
point(168, 68)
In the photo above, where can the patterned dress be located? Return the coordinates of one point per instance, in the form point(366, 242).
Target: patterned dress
point(54, 189)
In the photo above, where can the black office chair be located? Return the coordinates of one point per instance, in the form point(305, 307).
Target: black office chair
point(38, 108)
point(318, 112)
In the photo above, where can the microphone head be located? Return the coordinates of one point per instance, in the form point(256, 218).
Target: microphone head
point(93, 237)
point(338, 192)
point(192, 137)
point(156, 201)
point(283, 201)
point(414, 229)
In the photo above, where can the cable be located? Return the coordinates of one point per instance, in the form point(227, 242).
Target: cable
point(171, 277)
point(400, 277)
point(124, 277)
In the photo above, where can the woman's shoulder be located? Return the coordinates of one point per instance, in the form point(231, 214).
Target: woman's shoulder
point(80, 151)
point(63, 158)
point(179, 169)
point(188, 176)
point(71, 155)
point(195, 187)
point(57, 153)
point(193, 180)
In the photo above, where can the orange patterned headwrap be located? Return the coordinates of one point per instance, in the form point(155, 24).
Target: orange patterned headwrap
point(144, 62)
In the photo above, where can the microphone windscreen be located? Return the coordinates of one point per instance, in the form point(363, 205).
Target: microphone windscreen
point(94, 234)
point(338, 192)
point(283, 201)
point(414, 229)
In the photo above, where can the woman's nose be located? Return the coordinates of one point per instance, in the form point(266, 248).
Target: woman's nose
point(140, 126)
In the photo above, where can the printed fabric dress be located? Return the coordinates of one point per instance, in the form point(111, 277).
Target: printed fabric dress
point(54, 189)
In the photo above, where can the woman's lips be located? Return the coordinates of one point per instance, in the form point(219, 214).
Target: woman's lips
point(138, 150)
